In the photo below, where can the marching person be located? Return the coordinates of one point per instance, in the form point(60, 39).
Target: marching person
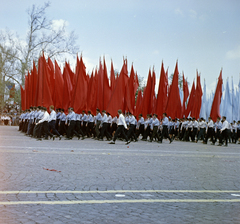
point(165, 128)
point(98, 120)
point(104, 125)
point(224, 130)
point(154, 126)
point(52, 122)
point(209, 131)
point(120, 129)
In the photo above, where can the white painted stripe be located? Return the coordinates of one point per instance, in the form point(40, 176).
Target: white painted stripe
point(120, 191)
point(121, 201)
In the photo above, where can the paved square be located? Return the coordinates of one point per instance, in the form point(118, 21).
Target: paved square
point(93, 182)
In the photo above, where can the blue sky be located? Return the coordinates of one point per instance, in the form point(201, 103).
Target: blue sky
point(203, 35)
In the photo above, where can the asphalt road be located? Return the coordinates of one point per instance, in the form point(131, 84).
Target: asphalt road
point(90, 181)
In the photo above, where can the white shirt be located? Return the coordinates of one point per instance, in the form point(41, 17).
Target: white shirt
point(121, 121)
point(45, 117)
point(224, 125)
point(52, 116)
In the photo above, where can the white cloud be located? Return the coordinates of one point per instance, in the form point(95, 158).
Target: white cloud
point(155, 52)
point(233, 54)
point(58, 24)
point(193, 14)
point(179, 12)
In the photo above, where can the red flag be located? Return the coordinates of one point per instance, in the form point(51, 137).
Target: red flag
point(112, 77)
point(27, 91)
point(80, 93)
point(129, 92)
point(39, 90)
point(51, 76)
point(191, 100)
point(30, 84)
point(34, 84)
point(162, 97)
point(46, 95)
point(174, 106)
point(23, 100)
point(198, 99)
point(100, 87)
point(186, 95)
point(215, 111)
point(138, 104)
point(153, 96)
point(117, 98)
point(146, 107)
point(106, 87)
point(67, 90)
point(59, 85)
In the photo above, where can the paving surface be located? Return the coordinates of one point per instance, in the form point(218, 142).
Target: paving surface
point(88, 181)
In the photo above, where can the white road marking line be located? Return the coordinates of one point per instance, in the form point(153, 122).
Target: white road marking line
point(121, 201)
point(119, 191)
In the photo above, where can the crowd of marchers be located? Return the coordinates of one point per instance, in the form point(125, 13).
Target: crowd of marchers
point(37, 123)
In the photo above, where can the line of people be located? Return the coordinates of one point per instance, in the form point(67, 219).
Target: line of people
point(37, 122)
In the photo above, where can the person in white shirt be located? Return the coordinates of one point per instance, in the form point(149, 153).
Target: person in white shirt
point(120, 129)
point(209, 131)
point(44, 126)
point(52, 122)
point(224, 130)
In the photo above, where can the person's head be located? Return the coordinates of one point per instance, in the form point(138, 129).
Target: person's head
point(140, 116)
point(83, 112)
point(119, 112)
point(34, 108)
point(97, 111)
point(51, 108)
point(209, 118)
point(218, 119)
point(154, 116)
point(44, 109)
point(224, 118)
point(103, 112)
point(164, 115)
point(89, 112)
point(62, 110)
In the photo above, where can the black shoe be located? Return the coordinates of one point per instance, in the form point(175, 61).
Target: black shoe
point(67, 139)
point(83, 138)
point(112, 142)
point(100, 139)
point(144, 139)
point(219, 144)
point(39, 139)
point(159, 141)
point(212, 143)
point(78, 137)
point(60, 137)
point(45, 139)
point(53, 137)
point(128, 142)
point(136, 140)
point(150, 140)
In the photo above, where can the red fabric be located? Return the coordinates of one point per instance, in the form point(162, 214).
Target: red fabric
point(23, 100)
point(174, 106)
point(198, 99)
point(215, 111)
point(51, 76)
point(39, 89)
point(106, 87)
point(59, 85)
point(162, 97)
point(34, 84)
point(117, 98)
point(67, 90)
point(100, 87)
point(185, 95)
point(112, 77)
point(129, 92)
point(30, 95)
point(80, 93)
point(153, 96)
point(138, 104)
point(191, 100)
point(26, 92)
point(93, 102)
point(146, 107)
point(46, 95)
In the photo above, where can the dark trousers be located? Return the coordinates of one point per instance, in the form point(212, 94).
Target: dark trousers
point(165, 133)
point(105, 131)
point(62, 128)
point(70, 130)
point(120, 130)
point(155, 133)
point(90, 129)
point(140, 130)
point(131, 132)
point(194, 134)
point(52, 126)
point(36, 129)
point(210, 134)
point(201, 134)
point(97, 128)
point(224, 136)
point(78, 128)
point(218, 136)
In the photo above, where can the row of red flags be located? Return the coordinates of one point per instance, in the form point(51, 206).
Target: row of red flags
point(47, 86)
